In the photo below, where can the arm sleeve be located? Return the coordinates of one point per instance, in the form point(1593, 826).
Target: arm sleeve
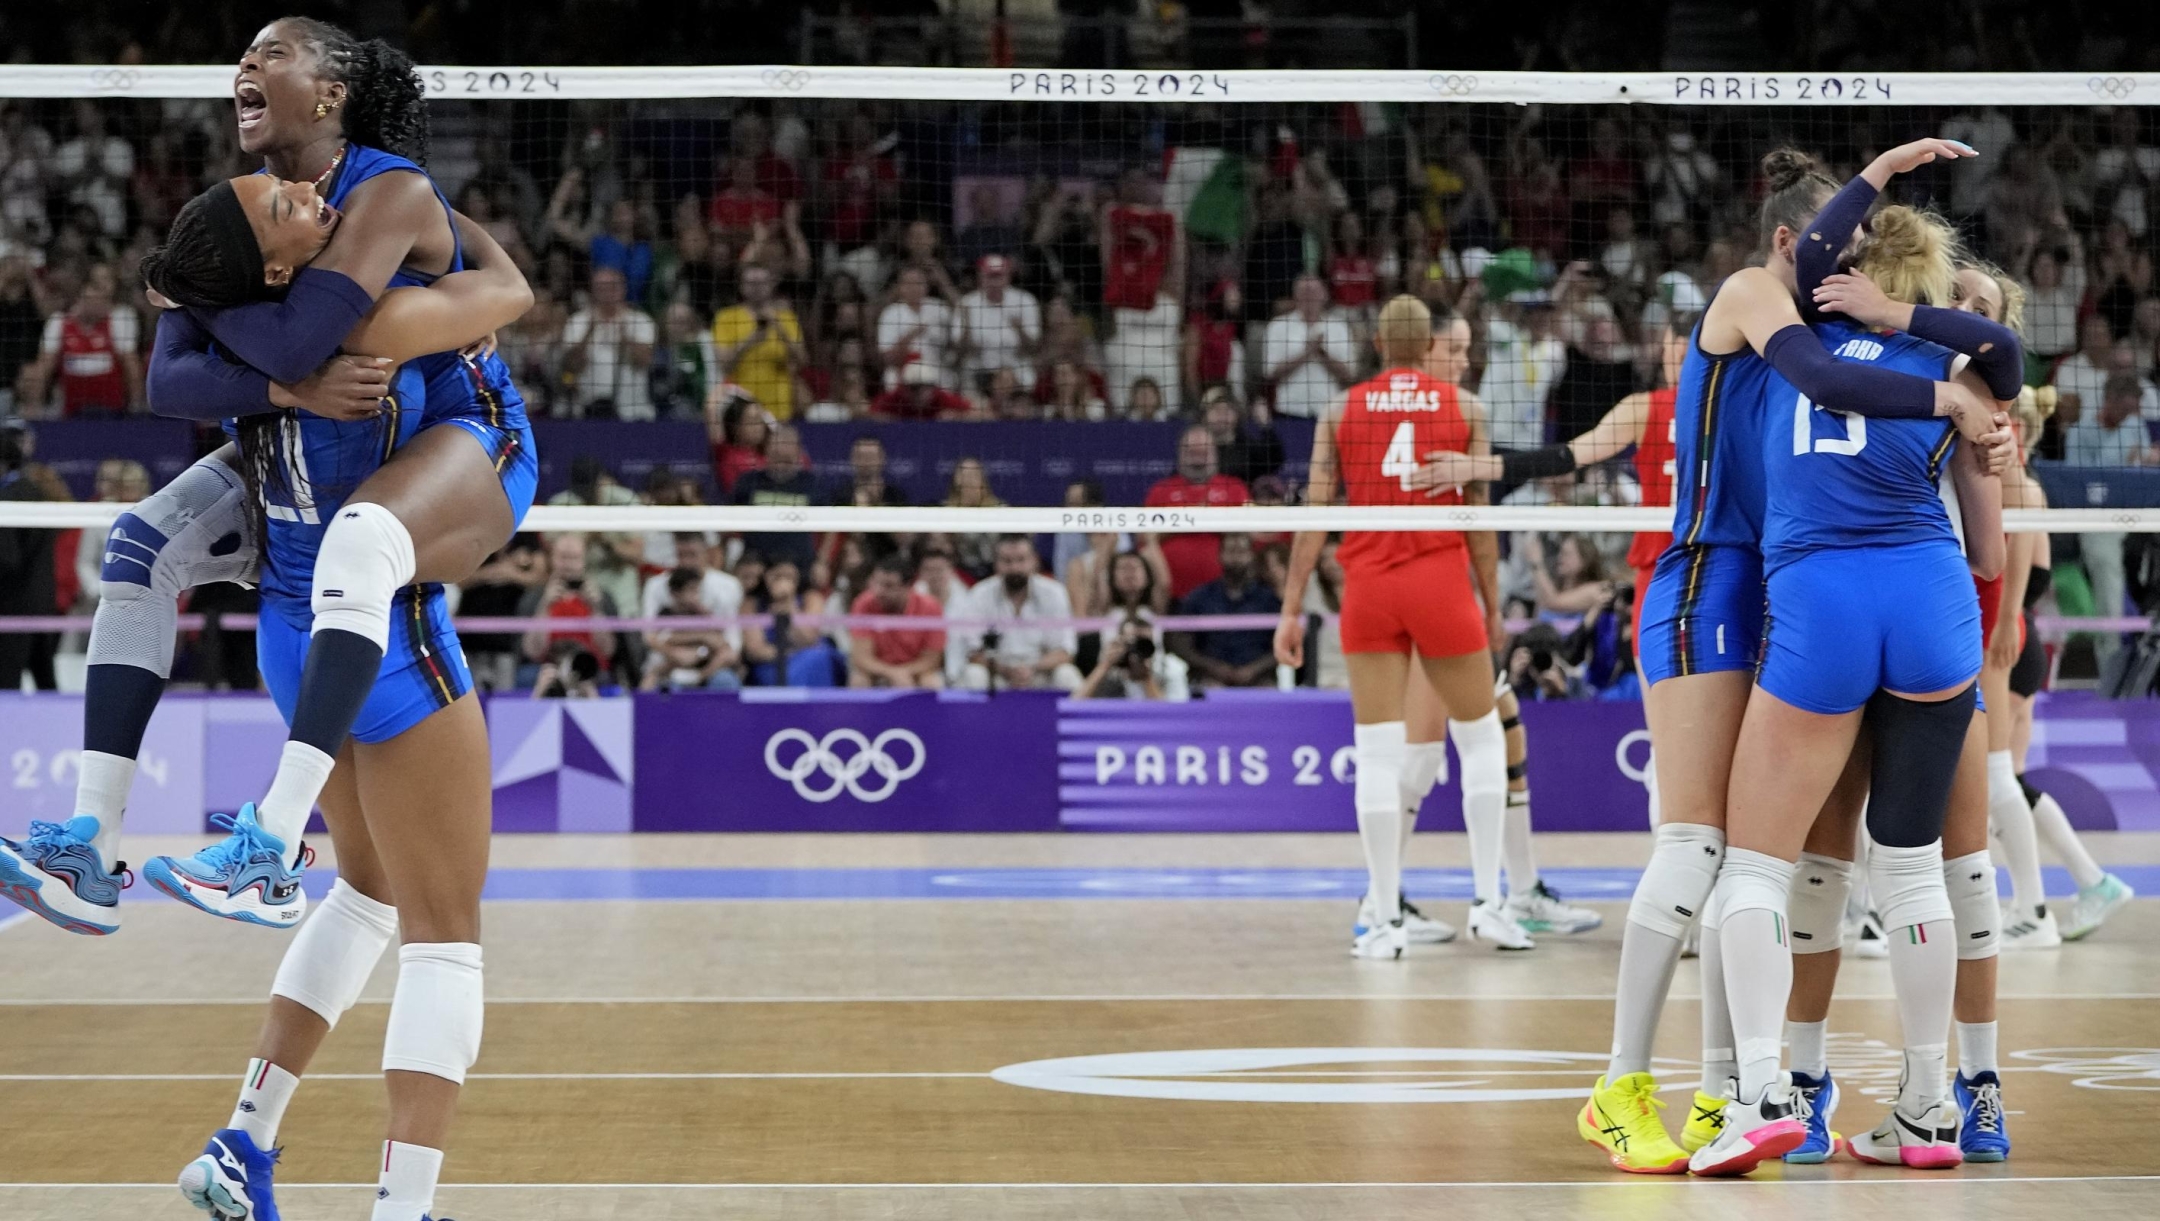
point(1815, 259)
point(1840, 385)
point(290, 339)
point(1997, 356)
point(188, 381)
point(1524, 465)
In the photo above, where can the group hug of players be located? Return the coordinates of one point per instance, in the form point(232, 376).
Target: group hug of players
point(1837, 668)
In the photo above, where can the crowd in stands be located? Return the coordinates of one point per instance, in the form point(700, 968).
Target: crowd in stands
point(756, 266)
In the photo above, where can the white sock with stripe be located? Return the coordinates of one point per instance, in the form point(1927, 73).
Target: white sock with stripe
point(264, 1093)
point(406, 1190)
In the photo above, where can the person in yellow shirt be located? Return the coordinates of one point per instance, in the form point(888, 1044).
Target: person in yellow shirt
point(760, 344)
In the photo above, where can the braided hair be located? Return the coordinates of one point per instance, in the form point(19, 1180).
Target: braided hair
point(385, 102)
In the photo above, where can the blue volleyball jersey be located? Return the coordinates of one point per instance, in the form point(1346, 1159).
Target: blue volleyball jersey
point(1718, 421)
point(1839, 480)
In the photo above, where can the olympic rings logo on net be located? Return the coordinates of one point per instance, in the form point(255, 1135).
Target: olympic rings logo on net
point(2113, 86)
point(114, 78)
point(1454, 83)
point(791, 79)
point(844, 772)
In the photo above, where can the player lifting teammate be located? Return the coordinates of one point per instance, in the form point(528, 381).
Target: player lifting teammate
point(1409, 595)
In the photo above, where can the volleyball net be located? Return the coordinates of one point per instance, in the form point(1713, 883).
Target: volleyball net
point(876, 311)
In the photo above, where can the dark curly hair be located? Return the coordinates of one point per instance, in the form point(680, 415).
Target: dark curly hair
point(385, 102)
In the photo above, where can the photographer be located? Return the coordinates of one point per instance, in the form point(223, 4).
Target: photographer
point(1537, 666)
point(1132, 667)
point(570, 672)
point(689, 660)
point(567, 595)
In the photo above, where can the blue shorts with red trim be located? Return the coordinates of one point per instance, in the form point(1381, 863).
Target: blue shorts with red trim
point(1703, 613)
point(423, 669)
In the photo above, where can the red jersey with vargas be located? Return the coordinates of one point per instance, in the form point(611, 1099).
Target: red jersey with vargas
point(1388, 425)
point(1654, 457)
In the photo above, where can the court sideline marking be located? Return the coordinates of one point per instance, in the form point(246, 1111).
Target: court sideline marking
point(1039, 998)
point(1241, 1075)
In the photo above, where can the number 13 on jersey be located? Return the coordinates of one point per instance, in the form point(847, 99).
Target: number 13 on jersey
point(1804, 440)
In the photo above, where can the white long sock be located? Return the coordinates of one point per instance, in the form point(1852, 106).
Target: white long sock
point(302, 772)
point(1976, 1048)
point(102, 782)
point(2062, 839)
point(1647, 960)
point(1378, 793)
point(1752, 891)
point(1923, 972)
point(1720, 1063)
point(1673, 891)
point(1424, 763)
point(406, 1188)
point(2012, 821)
point(1807, 1051)
point(264, 1093)
point(1522, 875)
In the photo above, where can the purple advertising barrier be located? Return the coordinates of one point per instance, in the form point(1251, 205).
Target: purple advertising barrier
point(795, 760)
point(2099, 758)
point(562, 765)
point(41, 742)
point(1276, 761)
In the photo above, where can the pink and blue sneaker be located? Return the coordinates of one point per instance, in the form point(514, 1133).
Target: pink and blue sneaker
point(56, 872)
point(241, 877)
point(1983, 1133)
point(232, 1180)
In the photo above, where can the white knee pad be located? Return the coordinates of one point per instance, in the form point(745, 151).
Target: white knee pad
point(335, 951)
point(1677, 881)
point(366, 557)
point(193, 531)
point(1424, 766)
point(1482, 744)
point(435, 1020)
point(1754, 881)
point(1907, 884)
point(1816, 910)
point(1380, 754)
point(1970, 882)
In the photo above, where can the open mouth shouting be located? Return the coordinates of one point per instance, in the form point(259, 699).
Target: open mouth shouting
point(252, 105)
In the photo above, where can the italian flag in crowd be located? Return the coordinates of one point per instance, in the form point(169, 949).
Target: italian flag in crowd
point(1205, 189)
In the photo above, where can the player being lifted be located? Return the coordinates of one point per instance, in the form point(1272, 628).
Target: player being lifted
point(1409, 595)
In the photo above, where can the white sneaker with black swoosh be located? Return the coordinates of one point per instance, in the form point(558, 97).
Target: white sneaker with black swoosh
point(1927, 1141)
point(1756, 1132)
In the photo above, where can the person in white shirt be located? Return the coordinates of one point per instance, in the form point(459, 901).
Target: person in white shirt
point(96, 168)
point(1308, 354)
point(609, 345)
point(1524, 358)
point(2082, 378)
point(719, 592)
point(2124, 173)
point(2054, 288)
point(1014, 596)
point(914, 330)
point(998, 327)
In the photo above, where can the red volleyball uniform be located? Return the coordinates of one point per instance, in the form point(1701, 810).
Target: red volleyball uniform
point(1404, 588)
point(1654, 457)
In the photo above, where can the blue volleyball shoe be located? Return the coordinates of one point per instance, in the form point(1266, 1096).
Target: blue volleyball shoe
point(241, 877)
point(1821, 1094)
point(56, 872)
point(1983, 1133)
point(232, 1180)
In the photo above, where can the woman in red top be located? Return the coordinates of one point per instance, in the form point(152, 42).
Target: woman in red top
point(736, 426)
point(1408, 595)
point(1213, 355)
point(1351, 273)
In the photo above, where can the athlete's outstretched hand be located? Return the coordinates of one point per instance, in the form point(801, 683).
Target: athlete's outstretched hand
point(1290, 641)
point(1908, 157)
point(1445, 469)
point(345, 388)
point(1858, 298)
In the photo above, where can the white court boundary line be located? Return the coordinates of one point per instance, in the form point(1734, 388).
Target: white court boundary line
point(1244, 1075)
point(1037, 998)
point(1638, 1184)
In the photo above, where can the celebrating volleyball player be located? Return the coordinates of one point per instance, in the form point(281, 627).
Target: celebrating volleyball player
point(1698, 630)
point(1871, 608)
point(360, 530)
point(1405, 595)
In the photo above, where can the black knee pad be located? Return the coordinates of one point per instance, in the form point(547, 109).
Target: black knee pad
point(2032, 795)
point(1917, 746)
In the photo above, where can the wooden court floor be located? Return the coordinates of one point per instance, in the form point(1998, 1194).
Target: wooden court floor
point(1015, 1057)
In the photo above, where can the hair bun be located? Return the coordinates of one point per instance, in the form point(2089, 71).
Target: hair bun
point(1785, 167)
